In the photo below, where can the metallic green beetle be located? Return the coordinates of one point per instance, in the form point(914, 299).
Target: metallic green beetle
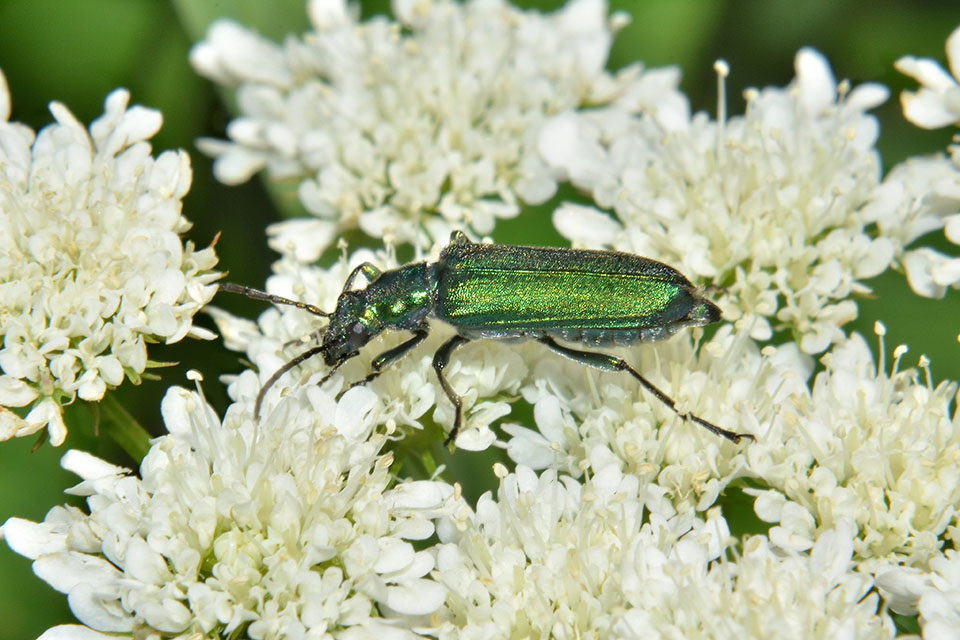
point(594, 298)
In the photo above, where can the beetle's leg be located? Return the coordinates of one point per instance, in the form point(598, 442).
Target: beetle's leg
point(612, 363)
point(290, 364)
point(369, 270)
point(440, 360)
point(459, 237)
point(392, 355)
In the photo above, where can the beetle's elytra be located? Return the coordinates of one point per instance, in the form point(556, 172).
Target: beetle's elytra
point(500, 292)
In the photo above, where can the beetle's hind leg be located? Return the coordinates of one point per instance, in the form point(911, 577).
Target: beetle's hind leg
point(608, 362)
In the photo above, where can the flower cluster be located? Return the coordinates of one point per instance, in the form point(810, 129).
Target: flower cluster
point(932, 183)
point(610, 558)
point(583, 421)
point(92, 266)
point(782, 206)
point(274, 527)
point(410, 128)
point(880, 449)
point(935, 595)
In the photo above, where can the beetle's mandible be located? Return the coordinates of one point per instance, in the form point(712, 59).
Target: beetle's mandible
point(593, 298)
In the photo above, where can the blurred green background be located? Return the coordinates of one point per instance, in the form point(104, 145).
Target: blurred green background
point(77, 52)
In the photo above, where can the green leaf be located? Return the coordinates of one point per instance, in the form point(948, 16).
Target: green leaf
point(118, 424)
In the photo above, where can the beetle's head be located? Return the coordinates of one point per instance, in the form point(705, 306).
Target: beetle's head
point(354, 323)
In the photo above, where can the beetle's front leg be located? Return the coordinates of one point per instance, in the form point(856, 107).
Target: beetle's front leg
point(440, 360)
point(608, 362)
point(390, 356)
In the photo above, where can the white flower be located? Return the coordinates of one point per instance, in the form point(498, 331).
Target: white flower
point(410, 128)
point(940, 604)
point(925, 192)
point(935, 595)
point(937, 103)
point(879, 449)
point(587, 419)
point(917, 197)
point(767, 205)
point(603, 559)
point(286, 528)
point(92, 266)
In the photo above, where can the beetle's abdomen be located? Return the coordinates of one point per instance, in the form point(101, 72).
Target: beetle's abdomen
point(592, 297)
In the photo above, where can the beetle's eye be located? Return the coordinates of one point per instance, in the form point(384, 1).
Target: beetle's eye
point(358, 335)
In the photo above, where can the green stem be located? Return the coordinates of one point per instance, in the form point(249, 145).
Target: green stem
point(117, 423)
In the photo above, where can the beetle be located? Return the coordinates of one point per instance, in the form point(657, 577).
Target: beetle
point(502, 292)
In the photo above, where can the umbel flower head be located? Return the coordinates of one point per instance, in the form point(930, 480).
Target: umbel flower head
point(410, 128)
point(877, 448)
point(282, 528)
point(936, 104)
point(92, 266)
point(609, 558)
point(783, 206)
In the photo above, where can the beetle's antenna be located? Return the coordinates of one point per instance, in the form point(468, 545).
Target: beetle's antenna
point(290, 364)
point(306, 355)
point(256, 294)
